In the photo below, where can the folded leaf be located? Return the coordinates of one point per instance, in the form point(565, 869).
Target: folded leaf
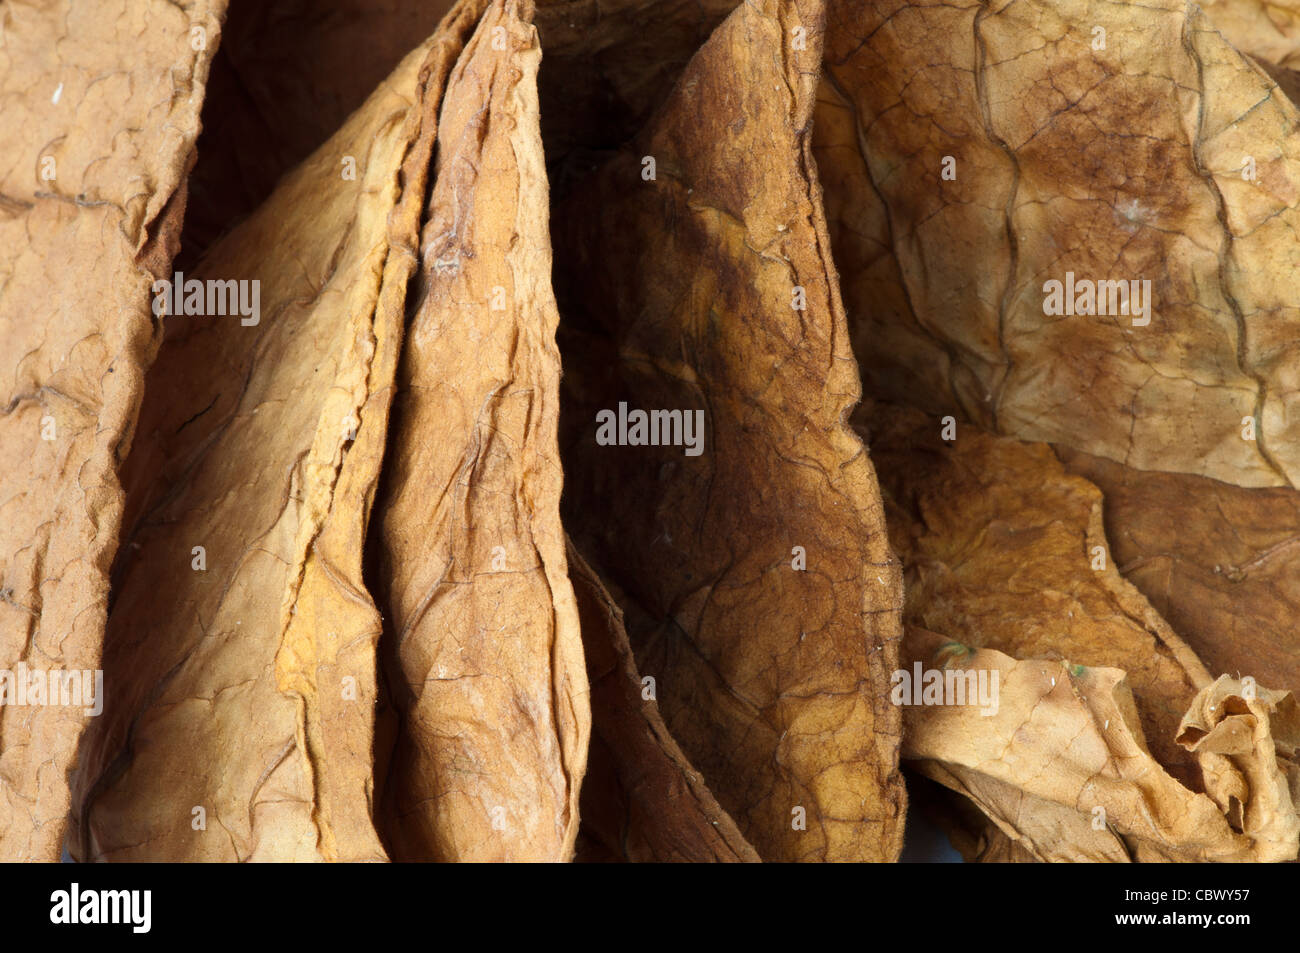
point(242, 639)
point(1063, 769)
point(286, 76)
point(483, 650)
point(1245, 737)
point(970, 831)
point(641, 799)
point(608, 65)
point(695, 283)
point(95, 148)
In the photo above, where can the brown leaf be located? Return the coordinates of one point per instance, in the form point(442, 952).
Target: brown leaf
point(998, 848)
point(241, 722)
point(1268, 30)
point(91, 198)
point(1220, 562)
point(609, 64)
point(483, 650)
point(1288, 80)
point(1062, 767)
point(1122, 163)
point(641, 799)
point(1245, 737)
point(683, 293)
point(970, 831)
point(286, 76)
point(1005, 550)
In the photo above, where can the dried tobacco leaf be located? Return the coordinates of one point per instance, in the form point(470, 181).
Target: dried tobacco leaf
point(1003, 549)
point(695, 281)
point(483, 650)
point(1288, 80)
point(1245, 737)
point(286, 76)
point(242, 640)
point(997, 848)
point(1220, 562)
point(1268, 30)
point(971, 832)
point(95, 153)
point(608, 65)
point(1097, 144)
point(1061, 766)
point(642, 801)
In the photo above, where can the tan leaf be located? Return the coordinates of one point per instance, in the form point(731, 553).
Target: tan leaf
point(483, 652)
point(241, 724)
point(970, 831)
point(608, 65)
point(1288, 80)
point(641, 799)
point(707, 292)
point(1062, 768)
point(1266, 29)
point(1005, 550)
point(95, 152)
point(1123, 155)
point(1220, 562)
point(1245, 737)
point(286, 76)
